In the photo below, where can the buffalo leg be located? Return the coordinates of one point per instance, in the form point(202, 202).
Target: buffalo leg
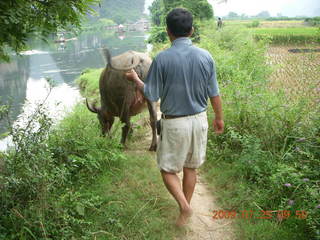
point(152, 106)
point(110, 122)
point(125, 128)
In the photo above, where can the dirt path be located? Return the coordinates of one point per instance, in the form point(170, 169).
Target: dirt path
point(201, 226)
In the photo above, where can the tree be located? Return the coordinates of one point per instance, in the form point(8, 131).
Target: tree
point(233, 15)
point(121, 11)
point(200, 9)
point(21, 20)
point(244, 16)
point(263, 14)
point(156, 9)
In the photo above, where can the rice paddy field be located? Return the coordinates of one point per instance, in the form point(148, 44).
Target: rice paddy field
point(298, 74)
point(301, 35)
point(268, 24)
point(280, 32)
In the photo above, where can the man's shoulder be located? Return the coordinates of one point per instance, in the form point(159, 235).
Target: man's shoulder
point(202, 52)
point(164, 54)
point(162, 57)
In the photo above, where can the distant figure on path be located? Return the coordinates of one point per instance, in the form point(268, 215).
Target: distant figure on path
point(219, 24)
point(183, 77)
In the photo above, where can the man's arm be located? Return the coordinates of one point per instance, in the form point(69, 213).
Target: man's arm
point(218, 123)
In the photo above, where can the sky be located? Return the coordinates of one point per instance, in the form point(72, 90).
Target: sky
point(288, 8)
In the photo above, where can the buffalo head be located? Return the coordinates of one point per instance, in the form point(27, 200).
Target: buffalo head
point(106, 120)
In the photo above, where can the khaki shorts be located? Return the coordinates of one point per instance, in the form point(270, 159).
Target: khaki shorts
point(183, 142)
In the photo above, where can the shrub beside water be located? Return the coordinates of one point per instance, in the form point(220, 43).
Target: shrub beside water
point(65, 181)
point(43, 175)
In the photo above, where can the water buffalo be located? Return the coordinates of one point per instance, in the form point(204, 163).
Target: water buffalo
point(120, 97)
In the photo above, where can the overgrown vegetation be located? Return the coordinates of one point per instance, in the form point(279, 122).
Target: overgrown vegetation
point(268, 157)
point(68, 182)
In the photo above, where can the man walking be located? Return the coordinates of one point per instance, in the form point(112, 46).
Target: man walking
point(219, 23)
point(183, 77)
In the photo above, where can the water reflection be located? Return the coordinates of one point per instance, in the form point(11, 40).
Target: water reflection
point(13, 86)
point(22, 80)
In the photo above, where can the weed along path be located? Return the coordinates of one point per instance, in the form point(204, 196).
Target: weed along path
point(201, 226)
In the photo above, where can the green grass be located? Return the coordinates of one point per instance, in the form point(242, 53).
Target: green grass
point(136, 205)
point(134, 202)
point(89, 83)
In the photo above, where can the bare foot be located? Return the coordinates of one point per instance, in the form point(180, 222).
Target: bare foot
point(184, 217)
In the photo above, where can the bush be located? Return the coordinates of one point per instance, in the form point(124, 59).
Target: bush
point(253, 24)
point(313, 21)
point(43, 174)
point(158, 35)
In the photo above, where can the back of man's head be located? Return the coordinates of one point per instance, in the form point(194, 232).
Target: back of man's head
point(179, 22)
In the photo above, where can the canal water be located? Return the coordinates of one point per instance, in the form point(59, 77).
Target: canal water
point(23, 82)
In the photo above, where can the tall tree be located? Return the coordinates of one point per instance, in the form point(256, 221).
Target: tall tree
point(233, 15)
point(263, 14)
point(21, 19)
point(157, 11)
point(121, 11)
point(200, 9)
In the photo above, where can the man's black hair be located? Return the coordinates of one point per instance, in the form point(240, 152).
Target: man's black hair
point(179, 22)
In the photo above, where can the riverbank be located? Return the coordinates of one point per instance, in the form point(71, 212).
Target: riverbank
point(77, 184)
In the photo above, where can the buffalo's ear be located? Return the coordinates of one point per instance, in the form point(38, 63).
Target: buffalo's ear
point(92, 108)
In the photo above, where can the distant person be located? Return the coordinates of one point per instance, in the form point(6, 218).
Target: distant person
point(183, 77)
point(219, 24)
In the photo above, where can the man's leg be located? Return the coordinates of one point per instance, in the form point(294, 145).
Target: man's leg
point(189, 182)
point(172, 183)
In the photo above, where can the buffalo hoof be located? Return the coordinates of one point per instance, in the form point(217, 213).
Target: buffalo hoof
point(153, 148)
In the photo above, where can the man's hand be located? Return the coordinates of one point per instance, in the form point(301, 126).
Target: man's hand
point(132, 75)
point(218, 126)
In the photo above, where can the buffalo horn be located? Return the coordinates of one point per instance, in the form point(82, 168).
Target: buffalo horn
point(92, 108)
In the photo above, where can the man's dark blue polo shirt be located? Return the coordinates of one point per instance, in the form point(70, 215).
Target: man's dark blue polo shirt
point(183, 77)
